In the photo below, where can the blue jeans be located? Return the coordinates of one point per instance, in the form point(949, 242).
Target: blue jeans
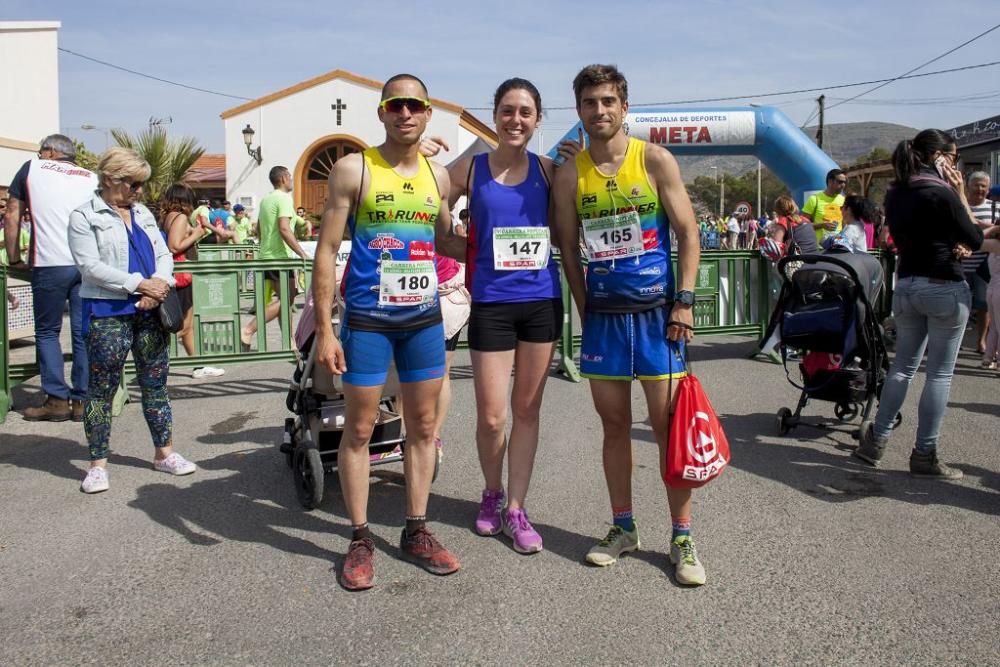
point(929, 316)
point(51, 287)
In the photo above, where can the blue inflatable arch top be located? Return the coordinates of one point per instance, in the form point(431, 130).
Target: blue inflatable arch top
point(762, 132)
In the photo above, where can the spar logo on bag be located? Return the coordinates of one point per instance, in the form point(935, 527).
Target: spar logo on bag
point(703, 448)
point(697, 448)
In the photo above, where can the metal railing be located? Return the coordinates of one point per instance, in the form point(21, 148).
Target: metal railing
point(732, 298)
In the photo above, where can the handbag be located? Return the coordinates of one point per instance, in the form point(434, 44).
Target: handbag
point(697, 448)
point(169, 312)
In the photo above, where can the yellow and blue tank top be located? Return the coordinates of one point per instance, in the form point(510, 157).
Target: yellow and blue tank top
point(394, 222)
point(626, 232)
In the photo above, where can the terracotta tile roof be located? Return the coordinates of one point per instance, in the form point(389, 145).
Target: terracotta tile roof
point(210, 161)
point(210, 167)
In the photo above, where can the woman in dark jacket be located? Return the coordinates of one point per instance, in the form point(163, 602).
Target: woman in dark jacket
point(932, 226)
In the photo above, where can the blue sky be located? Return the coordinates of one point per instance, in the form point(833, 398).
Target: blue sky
point(668, 50)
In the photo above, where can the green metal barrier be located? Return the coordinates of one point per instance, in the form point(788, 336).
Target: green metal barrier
point(731, 290)
point(722, 304)
point(5, 383)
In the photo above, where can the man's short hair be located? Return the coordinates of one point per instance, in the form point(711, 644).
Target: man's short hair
point(833, 174)
point(597, 75)
point(403, 77)
point(276, 174)
point(216, 203)
point(59, 143)
point(202, 200)
point(977, 176)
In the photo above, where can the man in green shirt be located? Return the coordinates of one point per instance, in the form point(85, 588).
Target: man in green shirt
point(240, 224)
point(823, 208)
point(301, 226)
point(274, 218)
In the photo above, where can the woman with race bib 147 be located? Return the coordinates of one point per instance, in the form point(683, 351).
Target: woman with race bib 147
point(516, 303)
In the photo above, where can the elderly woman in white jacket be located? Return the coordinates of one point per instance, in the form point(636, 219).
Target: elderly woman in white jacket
point(127, 271)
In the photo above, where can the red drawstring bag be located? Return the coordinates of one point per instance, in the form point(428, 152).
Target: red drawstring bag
point(697, 449)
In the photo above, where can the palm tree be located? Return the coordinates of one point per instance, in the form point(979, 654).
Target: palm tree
point(169, 160)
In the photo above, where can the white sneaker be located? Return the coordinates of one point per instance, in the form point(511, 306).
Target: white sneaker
point(207, 372)
point(95, 481)
point(689, 570)
point(175, 464)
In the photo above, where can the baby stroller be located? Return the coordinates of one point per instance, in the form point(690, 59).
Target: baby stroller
point(311, 438)
point(825, 312)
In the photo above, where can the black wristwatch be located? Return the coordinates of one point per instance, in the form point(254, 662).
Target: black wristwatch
point(685, 296)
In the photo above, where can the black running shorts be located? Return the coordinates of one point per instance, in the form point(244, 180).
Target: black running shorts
point(497, 327)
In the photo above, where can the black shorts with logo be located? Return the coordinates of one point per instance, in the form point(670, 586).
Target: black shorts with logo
point(497, 327)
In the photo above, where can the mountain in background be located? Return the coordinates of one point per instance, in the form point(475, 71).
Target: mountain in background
point(844, 142)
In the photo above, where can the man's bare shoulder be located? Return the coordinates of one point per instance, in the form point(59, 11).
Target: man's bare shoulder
point(661, 159)
point(346, 173)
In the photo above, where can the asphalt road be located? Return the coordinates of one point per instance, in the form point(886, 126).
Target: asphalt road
point(812, 558)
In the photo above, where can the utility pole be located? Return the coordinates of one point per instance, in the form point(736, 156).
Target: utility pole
point(758, 188)
point(819, 132)
point(722, 195)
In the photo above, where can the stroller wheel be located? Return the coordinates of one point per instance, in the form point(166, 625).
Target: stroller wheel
point(308, 472)
point(845, 412)
point(784, 421)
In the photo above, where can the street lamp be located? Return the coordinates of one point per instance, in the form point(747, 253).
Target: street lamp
point(248, 139)
point(107, 139)
point(722, 189)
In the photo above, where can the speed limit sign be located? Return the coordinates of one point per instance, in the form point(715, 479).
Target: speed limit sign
point(743, 208)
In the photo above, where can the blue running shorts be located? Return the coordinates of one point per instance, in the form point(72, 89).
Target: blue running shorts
point(627, 346)
point(419, 354)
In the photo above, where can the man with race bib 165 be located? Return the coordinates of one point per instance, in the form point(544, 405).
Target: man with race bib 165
point(391, 197)
point(626, 195)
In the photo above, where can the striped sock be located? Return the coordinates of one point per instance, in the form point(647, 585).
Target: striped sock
point(622, 517)
point(681, 525)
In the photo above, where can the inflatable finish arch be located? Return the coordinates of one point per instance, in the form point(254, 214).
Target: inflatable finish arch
point(762, 132)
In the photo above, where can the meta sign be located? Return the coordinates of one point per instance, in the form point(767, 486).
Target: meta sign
point(758, 131)
point(708, 128)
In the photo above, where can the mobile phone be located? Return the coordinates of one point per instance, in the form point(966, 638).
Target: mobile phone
point(940, 164)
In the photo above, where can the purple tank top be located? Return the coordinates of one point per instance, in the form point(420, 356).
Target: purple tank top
point(498, 206)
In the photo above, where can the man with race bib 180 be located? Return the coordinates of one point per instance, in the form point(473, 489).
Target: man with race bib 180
point(626, 195)
point(391, 198)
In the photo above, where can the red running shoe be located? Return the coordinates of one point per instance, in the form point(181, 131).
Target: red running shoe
point(359, 571)
point(423, 549)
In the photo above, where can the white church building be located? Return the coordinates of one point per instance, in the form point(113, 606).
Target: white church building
point(309, 126)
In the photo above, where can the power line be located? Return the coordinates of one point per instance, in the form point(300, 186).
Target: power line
point(908, 75)
point(784, 92)
point(905, 74)
point(150, 76)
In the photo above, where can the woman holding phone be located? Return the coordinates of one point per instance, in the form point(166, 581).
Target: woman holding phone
point(932, 227)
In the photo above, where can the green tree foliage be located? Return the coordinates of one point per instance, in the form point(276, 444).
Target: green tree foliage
point(84, 157)
point(169, 160)
point(705, 191)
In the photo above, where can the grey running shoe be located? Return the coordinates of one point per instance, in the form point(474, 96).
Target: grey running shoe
point(618, 541)
point(689, 570)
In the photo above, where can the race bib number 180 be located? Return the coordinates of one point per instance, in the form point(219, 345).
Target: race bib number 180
point(520, 248)
point(613, 236)
point(407, 283)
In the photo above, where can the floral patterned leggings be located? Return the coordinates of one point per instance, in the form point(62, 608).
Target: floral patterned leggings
point(108, 343)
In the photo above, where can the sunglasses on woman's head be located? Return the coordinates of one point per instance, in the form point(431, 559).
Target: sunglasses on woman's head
point(412, 104)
